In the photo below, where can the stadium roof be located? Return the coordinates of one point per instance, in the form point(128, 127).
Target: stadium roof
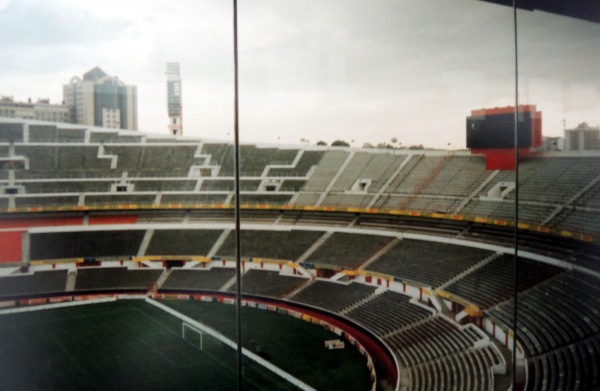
point(582, 9)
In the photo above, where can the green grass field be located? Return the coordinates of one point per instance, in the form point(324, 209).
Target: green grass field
point(127, 345)
point(130, 345)
point(293, 345)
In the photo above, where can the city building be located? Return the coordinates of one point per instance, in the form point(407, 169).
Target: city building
point(582, 138)
point(41, 110)
point(101, 100)
point(174, 99)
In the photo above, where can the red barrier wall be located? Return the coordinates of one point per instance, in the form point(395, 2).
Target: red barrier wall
point(41, 222)
point(113, 219)
point(10, 241)
point(10, 246)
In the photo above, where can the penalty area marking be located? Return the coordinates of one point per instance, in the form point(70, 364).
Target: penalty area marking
point(214, 333)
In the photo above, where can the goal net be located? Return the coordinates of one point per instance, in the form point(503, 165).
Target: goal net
point(192, 335)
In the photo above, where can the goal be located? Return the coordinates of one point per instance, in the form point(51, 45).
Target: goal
point(192, 335)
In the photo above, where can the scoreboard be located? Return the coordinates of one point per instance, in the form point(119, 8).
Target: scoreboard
point(492, 132)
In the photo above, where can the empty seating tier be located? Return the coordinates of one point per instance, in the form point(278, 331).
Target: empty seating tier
point(327, 169)
point(428, 263)
point(63, 245)
point(332, 296)
point(306, 162)
point(554, 314)
point(52, 134)
point(388, 311)
point(198, 279)
point(270, 244)
point(56, 161)
point(493, 282)
point(572, 367)
point(253, 160)
point(38, 283)
point(110, 278)
point(182, 242)
point(348, 250)
point(468, 370)
point(431, 340)
point(268, 283)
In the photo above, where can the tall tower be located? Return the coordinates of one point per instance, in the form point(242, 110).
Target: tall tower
point(174, 99)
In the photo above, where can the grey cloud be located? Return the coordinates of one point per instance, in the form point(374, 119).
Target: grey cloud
point(25, 24)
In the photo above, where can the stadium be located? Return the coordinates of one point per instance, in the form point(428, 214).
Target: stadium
point(457, 249)
point(405, 257)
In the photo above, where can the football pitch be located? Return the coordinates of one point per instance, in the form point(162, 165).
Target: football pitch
point(129, 344)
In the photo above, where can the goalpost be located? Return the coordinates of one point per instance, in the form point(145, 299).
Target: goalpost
point(192, 335)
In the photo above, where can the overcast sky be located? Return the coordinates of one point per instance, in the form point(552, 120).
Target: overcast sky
point(358, 70)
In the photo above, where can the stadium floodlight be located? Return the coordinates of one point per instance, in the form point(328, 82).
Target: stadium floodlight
point(192, 335)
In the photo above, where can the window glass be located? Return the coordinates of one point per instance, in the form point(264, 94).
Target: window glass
point(419, 205)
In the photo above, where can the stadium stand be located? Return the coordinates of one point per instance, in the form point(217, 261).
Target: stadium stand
point(587, 257)
point(564, 298)
point(86, 244)
point(198, 279)
point(553, 180)
point(330, 296)
point(472, 370)
point(193, 198)
point(459, 177)
point(432, 339)
point(420, 172)
point(109, 278)
point(164, 185)
point(379, 169)
point(270, 244)
point(269, 283)
point(24, 202)
point(353, 171)
point(387, 312)
point(56, 187)
point(220, 185)
point(77, 169)
point(558, 331)
point(316, 218)
point(493, 282)
point(428, 263)
point(64, 160)
point(44, 133)
point(291, 184)
point(308, 160)
point(326, 170)
point(346, 199)
point(591, 197)
point(182, 242)
point(253, 160)
point(37, 283)
point(265, 198)
point(105, 199)
point(573, 219)
point(162, 161)
point(113, 137)
point(348, 250)
point(81, 161)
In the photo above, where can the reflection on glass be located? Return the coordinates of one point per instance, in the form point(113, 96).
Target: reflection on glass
point(379, 196)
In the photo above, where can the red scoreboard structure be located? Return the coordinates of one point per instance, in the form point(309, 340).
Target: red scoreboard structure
point(491, 132)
